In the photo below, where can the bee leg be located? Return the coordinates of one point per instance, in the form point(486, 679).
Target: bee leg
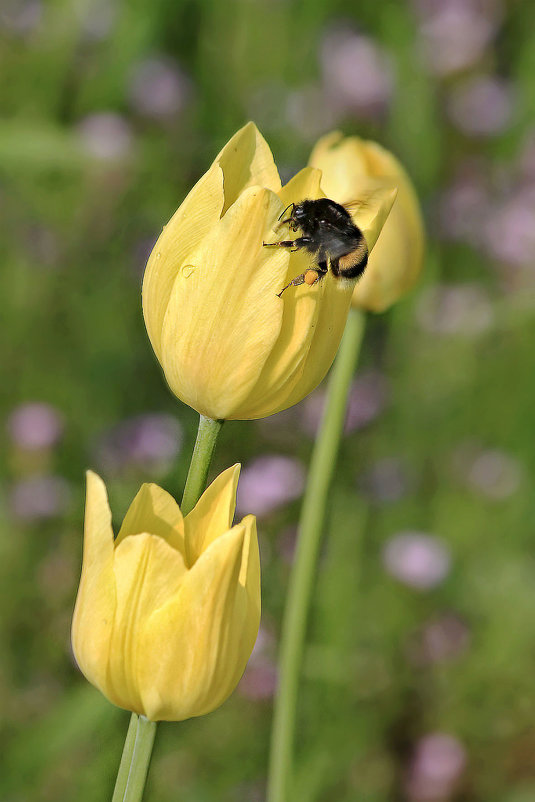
point(310, 277)
point(295, 244)
point(286, 243)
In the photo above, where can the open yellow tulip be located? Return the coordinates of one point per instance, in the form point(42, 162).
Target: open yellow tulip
point(228, 346)
point(167, 614)
point(397, 258)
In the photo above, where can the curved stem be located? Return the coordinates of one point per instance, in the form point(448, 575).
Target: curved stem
point(304, 567)
point(201, 459)
point(139, 741)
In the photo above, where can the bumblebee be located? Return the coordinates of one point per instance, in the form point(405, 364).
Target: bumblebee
point(330, 235)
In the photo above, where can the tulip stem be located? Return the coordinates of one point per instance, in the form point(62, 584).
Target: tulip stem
point(302, 576)
point(135, 760)
point(205, 443)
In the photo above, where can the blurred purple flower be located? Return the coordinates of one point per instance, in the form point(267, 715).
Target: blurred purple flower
point(269, 482)
point(309, 112)
point(106, 136)
point(456, 33)
point(35, 426)
point(368, 397)
point(455, 309)
point(386, 480)
point(158, 88)
point(151, 441)
point(495, 474)
point(436, 768)
point(260, 678)
point(358, 74)
point(465, 203)
point(440, 640)
point(20, 17)
point(419, 560)
point(39, 497)
point(481, 106)
point(286, 543)
point(510, 229)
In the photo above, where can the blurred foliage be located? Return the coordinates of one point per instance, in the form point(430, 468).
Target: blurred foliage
point(92, 163)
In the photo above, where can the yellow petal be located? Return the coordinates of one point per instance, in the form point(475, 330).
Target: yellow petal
point(156, 511)
point(95, 604)
point(342, 162)
point(305, 185)
point(398, 256)
point(224, 316)
point(374, 198)
point(148, 573)
point(247, 161)
point(197, 214)
point(212, 515)
point(195, 648)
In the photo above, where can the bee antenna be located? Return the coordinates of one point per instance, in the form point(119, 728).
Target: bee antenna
point(292, 205)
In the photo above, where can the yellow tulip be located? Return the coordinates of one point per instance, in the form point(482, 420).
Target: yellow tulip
point(167, 614)
point(228, 346)
point(397, 258)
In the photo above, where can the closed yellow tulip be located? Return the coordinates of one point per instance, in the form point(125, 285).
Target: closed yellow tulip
point(228, 346)
point(167, 614)
point(397, 258)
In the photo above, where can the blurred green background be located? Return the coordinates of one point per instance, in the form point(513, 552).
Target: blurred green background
point(418, 678)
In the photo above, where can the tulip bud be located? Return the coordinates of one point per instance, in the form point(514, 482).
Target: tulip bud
point(167, 614)
point(397, 257)
point(228, 345)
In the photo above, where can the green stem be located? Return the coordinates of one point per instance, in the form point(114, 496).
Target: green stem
point(304, 567)
point(135, 760)
point(139, 741)
point(205, 443)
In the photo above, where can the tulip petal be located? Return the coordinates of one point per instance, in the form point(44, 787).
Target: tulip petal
point(148, 572)
point(306, 184)
point(196, 647)
point(342, 162)
point(156, 511)
point(212, 515)
point(96, 601)
point(247, 161)
point(195, 217)
point(374, 198)
point(397, 258)
point(224, 316)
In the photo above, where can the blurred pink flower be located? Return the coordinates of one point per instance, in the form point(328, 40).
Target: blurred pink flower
point(510, 229)
point(106, 136)
point(386, 481)
point(158, 88)
point(495, 474)
point(435, 769)
point(260, 678)
point(440, 640)
point(151, 441)
point(368, 397)
point(309, 112)
point(455, 309)
point(358, 74)
point(35, 426)
point(481, 105)
point(417, 559)
point(20, 17)
point(39, 497)
point(268, 483)
point(456, 33)
point(465, 203)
